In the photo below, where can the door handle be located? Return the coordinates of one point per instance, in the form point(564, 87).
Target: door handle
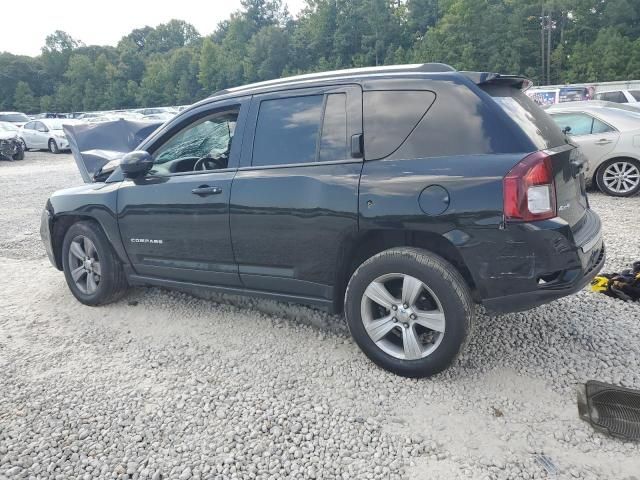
point(603, 141)
point(204, 190)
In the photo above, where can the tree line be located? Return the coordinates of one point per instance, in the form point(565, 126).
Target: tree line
point(550, 41)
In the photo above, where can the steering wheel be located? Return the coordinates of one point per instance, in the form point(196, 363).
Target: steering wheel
point(210, 163)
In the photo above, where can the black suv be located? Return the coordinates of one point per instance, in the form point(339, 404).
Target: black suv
point(405, 194)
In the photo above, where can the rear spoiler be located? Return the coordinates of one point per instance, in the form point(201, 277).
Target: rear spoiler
point(488, 78)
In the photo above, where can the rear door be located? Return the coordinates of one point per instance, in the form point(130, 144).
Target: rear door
point(595, 137)
point(295, 198)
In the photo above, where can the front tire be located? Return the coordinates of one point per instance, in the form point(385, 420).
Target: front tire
point(619, 177)
point(19, 155)
point(409, 311)
point(53, 146)
point(93, 272)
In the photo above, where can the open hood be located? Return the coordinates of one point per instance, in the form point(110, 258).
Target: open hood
point(94, 145)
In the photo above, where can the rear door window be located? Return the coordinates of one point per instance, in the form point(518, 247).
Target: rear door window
point(301, 129)
point(333, 143)
point(287, 130)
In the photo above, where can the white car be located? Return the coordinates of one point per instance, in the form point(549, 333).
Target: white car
point(609, 137)
point(619, 96)
point(17, 118)
point(45, 134)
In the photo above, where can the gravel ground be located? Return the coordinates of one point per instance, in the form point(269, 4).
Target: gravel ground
point(166, 385)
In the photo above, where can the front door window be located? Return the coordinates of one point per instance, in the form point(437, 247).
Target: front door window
point(201, 146)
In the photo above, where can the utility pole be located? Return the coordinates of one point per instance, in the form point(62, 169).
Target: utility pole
point(549, 28)
point(542, 76)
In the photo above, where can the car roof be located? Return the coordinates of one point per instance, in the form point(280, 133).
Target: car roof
point(438, 71)
point(620, 116)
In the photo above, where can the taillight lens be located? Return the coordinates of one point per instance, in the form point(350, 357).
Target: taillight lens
point(529, 190)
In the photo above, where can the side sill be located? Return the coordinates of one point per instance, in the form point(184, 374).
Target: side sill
point(139, 280)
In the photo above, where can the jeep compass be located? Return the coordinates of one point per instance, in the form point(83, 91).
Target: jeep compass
point(401, 196)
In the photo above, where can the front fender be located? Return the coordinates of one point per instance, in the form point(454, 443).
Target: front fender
point(95, 201)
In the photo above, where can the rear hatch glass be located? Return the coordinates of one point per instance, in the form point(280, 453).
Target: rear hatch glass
point(544, 133)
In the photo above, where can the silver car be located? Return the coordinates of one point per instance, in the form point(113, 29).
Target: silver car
point(45, 134)
point(609, 136)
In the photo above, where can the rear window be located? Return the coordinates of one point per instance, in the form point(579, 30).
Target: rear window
point(572, 94)
point(617, 97)
point(635, 94)
point(534, 122)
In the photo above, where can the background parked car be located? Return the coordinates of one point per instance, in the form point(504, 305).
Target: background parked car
point(17, 118)
point(609, 137)
point(48, 115)
point(10, 144)
point(45, 134)
point(619, 96)
point(558, 95)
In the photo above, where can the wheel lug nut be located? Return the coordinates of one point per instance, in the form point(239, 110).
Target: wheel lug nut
point(394, 307)
point(405, 305)
point(405, 325)
point(394, 319)
point(413, 316)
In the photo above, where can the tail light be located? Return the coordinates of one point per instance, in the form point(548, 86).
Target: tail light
point(529, 190)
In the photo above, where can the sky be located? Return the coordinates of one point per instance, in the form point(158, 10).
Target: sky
point(26, 25)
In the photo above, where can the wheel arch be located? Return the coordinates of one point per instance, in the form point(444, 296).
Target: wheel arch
point(369, 243)
point(60, 226)
point(617, 156)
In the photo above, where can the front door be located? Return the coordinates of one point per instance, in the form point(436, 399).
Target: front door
point(294, 200)
point(174, 221)
point(41, 136)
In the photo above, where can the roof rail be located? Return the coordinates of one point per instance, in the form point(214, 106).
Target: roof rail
point(417, 67)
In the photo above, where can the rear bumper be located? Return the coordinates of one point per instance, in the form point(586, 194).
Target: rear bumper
point(545, 294)
point(529, 264)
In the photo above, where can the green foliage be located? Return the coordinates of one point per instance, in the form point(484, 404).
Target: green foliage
point(591, 40)
point(24, 99)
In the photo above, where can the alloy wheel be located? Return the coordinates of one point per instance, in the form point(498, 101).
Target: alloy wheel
point(621, 177)
point(403, 316)
point(84, 264)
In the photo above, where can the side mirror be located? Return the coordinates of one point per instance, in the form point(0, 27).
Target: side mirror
point(566, 129)
point(136, 163)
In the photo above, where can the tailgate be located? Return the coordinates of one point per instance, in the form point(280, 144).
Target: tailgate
point(568, 162)
point(568, 168)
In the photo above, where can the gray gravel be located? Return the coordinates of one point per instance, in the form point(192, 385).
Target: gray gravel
point(166, 385)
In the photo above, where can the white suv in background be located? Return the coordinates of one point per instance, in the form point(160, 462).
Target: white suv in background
point(619, 96)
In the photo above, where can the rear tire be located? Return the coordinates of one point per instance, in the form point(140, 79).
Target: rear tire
point(93, 272)
point(424, 307)
point(619, 177)
point(53, 146)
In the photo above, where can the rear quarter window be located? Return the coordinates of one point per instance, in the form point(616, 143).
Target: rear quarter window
point(389, 118)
